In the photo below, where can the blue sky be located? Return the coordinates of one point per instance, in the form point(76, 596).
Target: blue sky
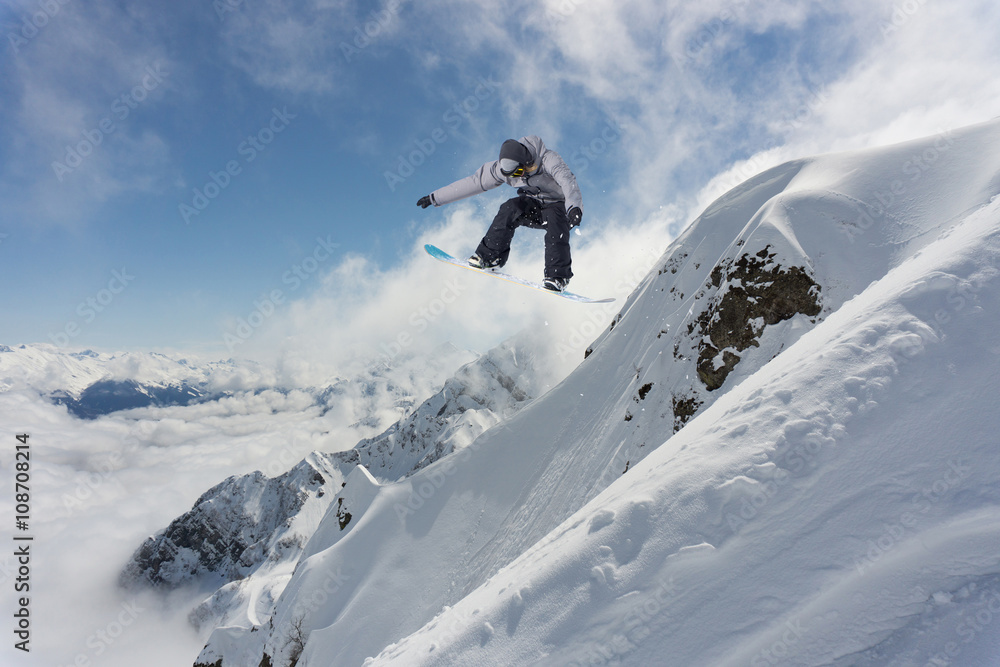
point(293, 116)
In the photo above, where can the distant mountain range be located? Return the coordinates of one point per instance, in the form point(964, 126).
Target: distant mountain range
point(93, 384)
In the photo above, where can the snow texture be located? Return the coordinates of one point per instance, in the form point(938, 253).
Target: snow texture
point(782, 451)
point(244, 536)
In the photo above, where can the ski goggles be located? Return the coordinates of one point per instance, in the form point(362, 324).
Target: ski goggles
point(511, 168)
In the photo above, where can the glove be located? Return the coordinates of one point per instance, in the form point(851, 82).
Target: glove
point(425, 201)
point(574, 215)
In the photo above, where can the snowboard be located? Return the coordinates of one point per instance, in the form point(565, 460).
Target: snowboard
point(441, 255)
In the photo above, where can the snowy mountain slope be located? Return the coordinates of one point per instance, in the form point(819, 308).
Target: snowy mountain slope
point(245, 534)
point(479, 396)
point(234, 525)
point(840, 507)
point(795, 246)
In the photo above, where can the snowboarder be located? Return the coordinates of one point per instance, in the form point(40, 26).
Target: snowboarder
point(548, 198)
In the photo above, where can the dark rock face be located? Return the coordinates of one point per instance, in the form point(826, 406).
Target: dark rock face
point(713, 313)
point(756, 293)
point(228, 530)
point(343, 516)
point(684, 408)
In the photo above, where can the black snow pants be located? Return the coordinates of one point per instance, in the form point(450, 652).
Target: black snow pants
point(527, 212)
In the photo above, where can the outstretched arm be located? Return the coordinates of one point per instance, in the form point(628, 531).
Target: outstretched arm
point(486, 178)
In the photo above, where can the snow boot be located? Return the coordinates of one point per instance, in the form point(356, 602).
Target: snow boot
point(555, 284)
point(478, 262)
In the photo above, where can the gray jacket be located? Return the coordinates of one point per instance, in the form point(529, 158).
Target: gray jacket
point(550, 182)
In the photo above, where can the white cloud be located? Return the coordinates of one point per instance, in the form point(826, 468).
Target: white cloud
point(100, 487)
point(88, 509)
point(701, 86)
point(931, 70)
point(677, 119)
point(927, 69)
point(363, 314)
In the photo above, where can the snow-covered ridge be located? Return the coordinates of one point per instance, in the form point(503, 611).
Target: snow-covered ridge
point(477, 397)
point(246, 533)
point(838, 507)
point(49, 369)
point(93, 384)
point(529, 546)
